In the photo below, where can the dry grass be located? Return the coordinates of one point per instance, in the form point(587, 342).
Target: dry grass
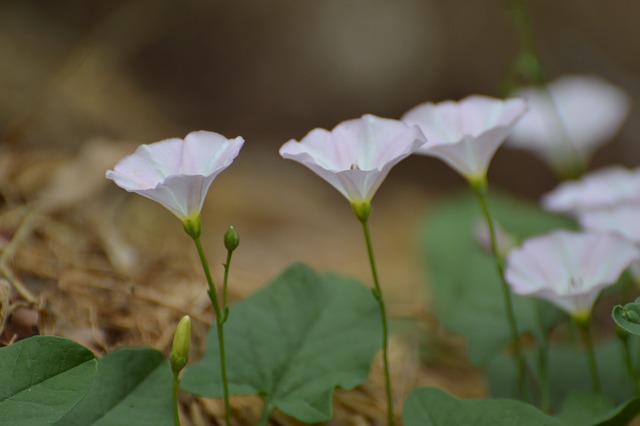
point(85, 260)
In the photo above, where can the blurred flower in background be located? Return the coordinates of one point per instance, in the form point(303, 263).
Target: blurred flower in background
point(568, 120)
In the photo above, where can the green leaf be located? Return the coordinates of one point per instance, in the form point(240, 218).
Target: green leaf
point(132, 387)
point(294, 342)
point(434, 407)
point(569, 373)
point(42, 378)
point(581, 408)
point(621, 415)
point(467, 289)
point(628, 317)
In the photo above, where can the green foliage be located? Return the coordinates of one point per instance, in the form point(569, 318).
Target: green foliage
point(42, 378)
point(581, 408)
point(132, 387)
point(467, 291)
point(568, 373)
point(434, 407)
point(628, 317)
point(293, 342)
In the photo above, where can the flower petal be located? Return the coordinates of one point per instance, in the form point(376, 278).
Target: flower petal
point(571, 116)
point(466, 134)
point(569, 269)
point(356, 156)
point(177, 173)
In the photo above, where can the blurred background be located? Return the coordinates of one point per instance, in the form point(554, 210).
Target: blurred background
point(82, 83)
point(87, 81)
point(145, 70)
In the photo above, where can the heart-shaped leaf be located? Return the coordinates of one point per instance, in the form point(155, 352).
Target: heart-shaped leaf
point(568, 373)
point(467, 289)
point(42, 378)
point(294, 342)
point(132, 387)
point(582, 408)
point(434, 407)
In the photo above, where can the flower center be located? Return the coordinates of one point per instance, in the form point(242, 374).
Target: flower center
point(576, 283)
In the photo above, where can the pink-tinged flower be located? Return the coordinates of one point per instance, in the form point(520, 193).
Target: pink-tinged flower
point(356, 156)
point(569, 119)
point(621, 219)
point(466, 134)
point(604, 188)
point(177, 173)
point(569, 269)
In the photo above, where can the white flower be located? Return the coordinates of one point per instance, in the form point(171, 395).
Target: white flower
point(604, 188)
point(177, 173)
point(356, 156)
point(569, 119)
point(569, 269)
point(622, 219)
point(466, 134)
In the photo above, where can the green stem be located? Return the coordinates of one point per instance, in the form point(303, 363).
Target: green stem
point(624, 338)
point(176, 414)
point(227, 266)
point(266, 413)
point(529, 64)
point(585, 329)
point(213, 296)
point(480, 189)
point(543, 359)
point(377, 293)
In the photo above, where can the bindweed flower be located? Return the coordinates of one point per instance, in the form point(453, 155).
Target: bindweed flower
point(569, 269)
point(606, 188)
point(177, 173)
point(622, 219)
point(569, 119)
point(356, 156)
point(466, 134)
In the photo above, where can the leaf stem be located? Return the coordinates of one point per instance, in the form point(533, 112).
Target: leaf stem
point(213, 296)
point(480, 189)
point(377, 293)
point(176, 414)
point(585, 329)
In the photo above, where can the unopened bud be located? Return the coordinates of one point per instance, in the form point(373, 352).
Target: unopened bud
point(181, 343)
point(231, 239)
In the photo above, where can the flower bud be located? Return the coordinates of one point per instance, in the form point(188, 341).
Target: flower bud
point(181, 343)
point(231, 239)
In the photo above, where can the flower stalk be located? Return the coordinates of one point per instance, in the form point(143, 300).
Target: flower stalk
point(584, 325)
point(631, 371)
point(362, 211)
point(220, 319)
point(480, 188)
